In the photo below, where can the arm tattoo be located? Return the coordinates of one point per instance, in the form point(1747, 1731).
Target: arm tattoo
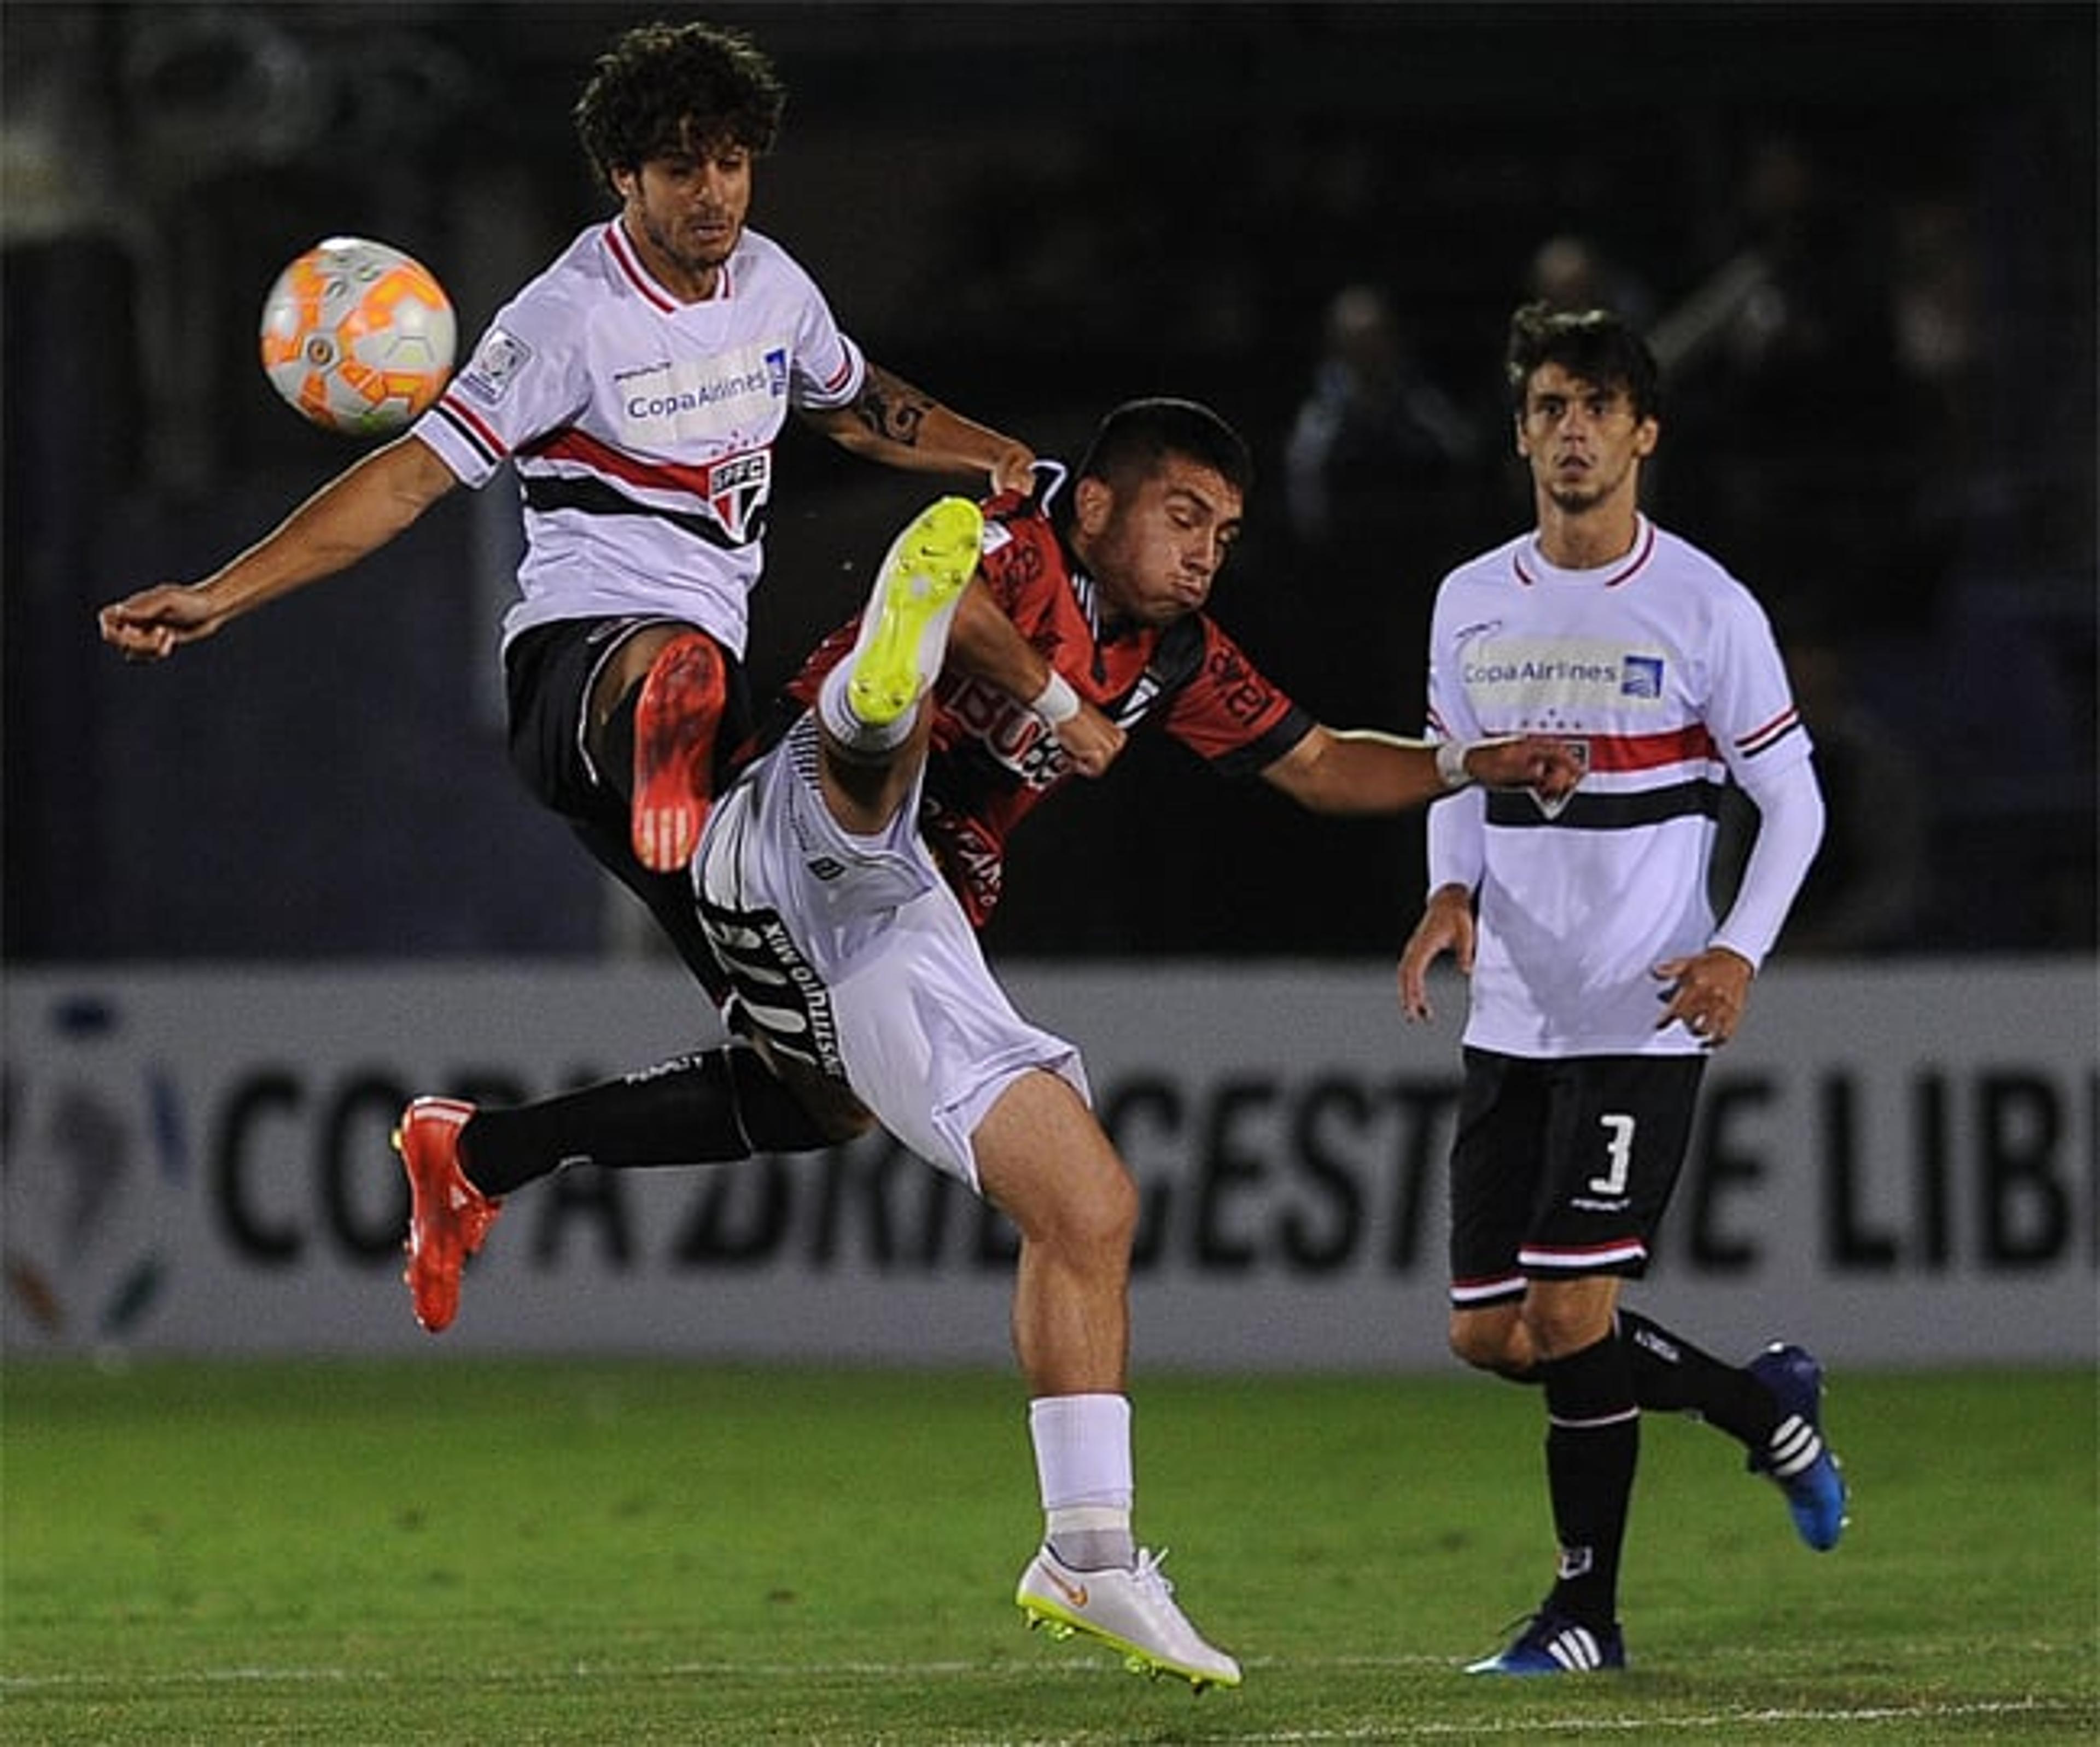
point(892, 408)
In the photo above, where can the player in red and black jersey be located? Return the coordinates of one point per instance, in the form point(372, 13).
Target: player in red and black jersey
point(1122, 663)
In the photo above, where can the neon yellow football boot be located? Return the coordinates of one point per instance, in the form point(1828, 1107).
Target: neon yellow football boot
point(904, 631)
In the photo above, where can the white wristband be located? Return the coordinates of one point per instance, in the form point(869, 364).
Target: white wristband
point(1056, 702)
point(1451, 763)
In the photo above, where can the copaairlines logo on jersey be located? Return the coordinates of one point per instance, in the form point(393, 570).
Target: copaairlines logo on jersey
point(720, 398)
point(1534, 674)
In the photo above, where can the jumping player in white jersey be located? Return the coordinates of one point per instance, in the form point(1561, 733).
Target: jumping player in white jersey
point(861, 977)
point(1599, 976)
point(637, 387)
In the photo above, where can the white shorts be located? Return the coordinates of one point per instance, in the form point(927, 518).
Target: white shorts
point(852, 955)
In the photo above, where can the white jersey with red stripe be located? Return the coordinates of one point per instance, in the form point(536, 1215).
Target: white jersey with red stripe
point(1661, 671)
point(643, 428)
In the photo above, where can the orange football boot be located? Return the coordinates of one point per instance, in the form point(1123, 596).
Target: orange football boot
point(448, 1217)
point(675, 721)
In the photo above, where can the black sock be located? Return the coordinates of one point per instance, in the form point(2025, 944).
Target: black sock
point(1671, 1375)
point(1592, 1448)
point(711, 1108)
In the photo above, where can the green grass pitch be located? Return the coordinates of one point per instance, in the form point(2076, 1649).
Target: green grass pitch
point(455, 1551)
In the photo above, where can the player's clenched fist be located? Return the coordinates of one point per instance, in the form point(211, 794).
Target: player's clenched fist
point(1547, 766)
point(155, 622)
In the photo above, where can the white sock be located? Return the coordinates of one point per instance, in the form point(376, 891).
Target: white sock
point(1083, 1469)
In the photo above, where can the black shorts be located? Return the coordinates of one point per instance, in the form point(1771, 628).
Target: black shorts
point(549, 671)
point(1562, 1168)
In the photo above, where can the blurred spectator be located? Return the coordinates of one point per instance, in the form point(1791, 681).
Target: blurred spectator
point(1933, 294)
point(1373, 434)
point(1573, 273)
point(1785, 395)
point(1377, 467)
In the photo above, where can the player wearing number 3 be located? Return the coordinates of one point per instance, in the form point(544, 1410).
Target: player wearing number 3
point(1600, 977)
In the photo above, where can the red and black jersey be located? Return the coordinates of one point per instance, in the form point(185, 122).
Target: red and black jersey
point(993, 760)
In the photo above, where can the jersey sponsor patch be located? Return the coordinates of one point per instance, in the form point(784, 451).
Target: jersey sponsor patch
point(712, 398)
point(495, 366)
point(1534, 674)
point(1641, 676)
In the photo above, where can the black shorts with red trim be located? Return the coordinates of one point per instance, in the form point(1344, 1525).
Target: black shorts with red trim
point(1562, 1168)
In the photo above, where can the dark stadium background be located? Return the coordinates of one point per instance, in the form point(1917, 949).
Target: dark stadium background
point(1035, 212)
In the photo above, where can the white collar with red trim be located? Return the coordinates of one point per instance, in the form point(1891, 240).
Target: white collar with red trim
point(1533, 567)
point(632, 267)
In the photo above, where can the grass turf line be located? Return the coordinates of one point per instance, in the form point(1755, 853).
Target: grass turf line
point(463, 1551)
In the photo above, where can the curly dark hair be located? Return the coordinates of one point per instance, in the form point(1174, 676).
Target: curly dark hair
point(661, 88)
point(1593, 346)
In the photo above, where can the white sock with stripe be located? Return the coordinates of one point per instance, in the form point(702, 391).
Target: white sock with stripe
point(1083, 1469)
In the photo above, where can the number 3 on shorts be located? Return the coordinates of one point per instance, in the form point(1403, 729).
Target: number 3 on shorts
point(1619, 1150)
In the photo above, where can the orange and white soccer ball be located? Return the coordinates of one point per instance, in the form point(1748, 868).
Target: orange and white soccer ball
point(358, 337)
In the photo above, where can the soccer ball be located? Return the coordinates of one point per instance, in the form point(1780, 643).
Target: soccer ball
point(357, 337)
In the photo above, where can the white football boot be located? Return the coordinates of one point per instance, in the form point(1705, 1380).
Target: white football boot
point(1131, 1612)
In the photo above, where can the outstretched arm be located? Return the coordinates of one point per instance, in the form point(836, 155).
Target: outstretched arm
point(354, 513)
point(891, 421)
point(1362, 770)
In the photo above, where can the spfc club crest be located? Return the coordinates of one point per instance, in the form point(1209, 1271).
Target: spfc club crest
point(1579, 751)
point(736, 490)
